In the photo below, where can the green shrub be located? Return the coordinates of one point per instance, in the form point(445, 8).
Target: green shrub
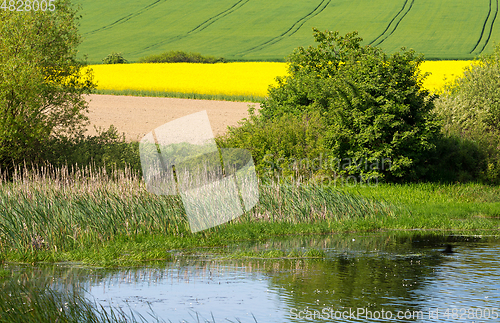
point(106, 149)
point(180, 57)
point(285, 146)
point(457, 160)
point(114, 58)
point(375, 111)
point(470, 109)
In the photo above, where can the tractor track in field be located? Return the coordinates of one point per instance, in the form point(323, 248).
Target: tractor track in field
point(485, 26)
point(218, 16)
point(290, 31)
point(204, 24)
point(393, 24)
point(127, 17)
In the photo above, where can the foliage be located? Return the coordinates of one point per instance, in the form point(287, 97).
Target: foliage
point(373, 105)
point(473, 100)
point(41, 83)
point(299, 144)
point(107, 150)
point(177, 56)
point(470, 109)
point(457, 160)
point(114, 58)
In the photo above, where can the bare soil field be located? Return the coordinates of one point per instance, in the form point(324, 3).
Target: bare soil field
point(136, 116)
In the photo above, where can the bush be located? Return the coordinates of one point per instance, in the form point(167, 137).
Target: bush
point(470, 109)
point(114, 58)
point(458, 160)
point(375, 111)
point(300, 142)
point(181, 57)
point(107, 150)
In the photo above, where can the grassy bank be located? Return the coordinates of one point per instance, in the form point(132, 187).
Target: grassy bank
point(111, 219)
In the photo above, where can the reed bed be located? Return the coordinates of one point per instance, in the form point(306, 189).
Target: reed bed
point(65, 209)
point(35, 301)
point(299, 202)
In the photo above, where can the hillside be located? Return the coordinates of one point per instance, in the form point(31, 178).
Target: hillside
point(270, 30)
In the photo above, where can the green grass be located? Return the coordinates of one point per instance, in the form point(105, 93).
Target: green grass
point(196, 96)
point(426, 199)
point(256, 30)
point(111, 220)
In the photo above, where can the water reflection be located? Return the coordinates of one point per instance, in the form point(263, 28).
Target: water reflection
point(361, 274)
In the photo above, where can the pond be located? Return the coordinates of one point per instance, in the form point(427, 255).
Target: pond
point(363, 278)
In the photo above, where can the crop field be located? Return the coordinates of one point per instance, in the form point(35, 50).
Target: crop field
point(256, 30)
point(226, 80)
point(442, 72)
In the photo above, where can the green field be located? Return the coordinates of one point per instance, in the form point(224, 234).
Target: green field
point(270, 30)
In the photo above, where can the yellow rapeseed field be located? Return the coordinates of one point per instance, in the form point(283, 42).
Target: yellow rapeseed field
point(441, 72)
point(249, 79)
point(246, 79)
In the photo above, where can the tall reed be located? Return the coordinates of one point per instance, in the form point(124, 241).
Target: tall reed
point(66, 208)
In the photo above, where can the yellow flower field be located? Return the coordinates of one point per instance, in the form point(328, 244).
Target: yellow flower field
point(441, 71)
point(246, 79)
point(249, 79)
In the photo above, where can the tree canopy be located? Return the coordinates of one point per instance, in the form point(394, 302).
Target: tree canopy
point(41, 81)
point(373, 105)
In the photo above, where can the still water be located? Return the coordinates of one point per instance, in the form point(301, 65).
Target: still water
point(363, 278)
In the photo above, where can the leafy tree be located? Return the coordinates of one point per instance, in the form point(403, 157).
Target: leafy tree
point(178, 56)
point(376, 112)
point(41, 81)
point(114, 58)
